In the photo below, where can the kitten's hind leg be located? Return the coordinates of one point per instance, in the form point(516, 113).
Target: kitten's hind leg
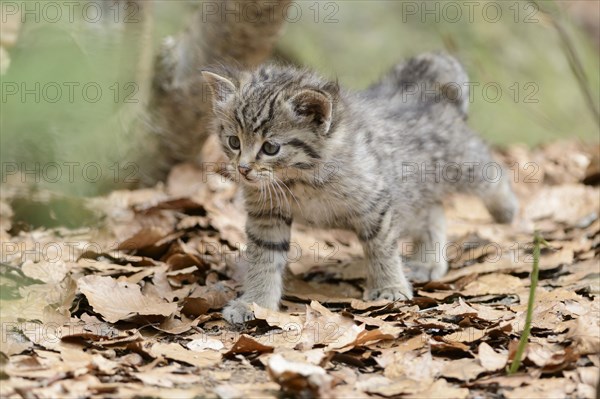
point(385, 277)
point(429, 261)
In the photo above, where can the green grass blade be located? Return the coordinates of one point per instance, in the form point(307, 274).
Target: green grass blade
point(516, 363)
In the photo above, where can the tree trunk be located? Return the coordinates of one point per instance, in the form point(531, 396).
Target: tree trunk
point(229, 31)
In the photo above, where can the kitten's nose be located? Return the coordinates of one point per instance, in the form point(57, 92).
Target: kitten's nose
point(244, 169)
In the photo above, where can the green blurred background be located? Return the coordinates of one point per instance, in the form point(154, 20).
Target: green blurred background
point(506, 45)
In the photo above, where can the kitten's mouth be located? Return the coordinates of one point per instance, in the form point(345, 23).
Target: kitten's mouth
point(251, 177)
point(256, 177)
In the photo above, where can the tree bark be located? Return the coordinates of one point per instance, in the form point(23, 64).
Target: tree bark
point(226, 31)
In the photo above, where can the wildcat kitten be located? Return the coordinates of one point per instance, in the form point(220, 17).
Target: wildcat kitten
point(377, 162)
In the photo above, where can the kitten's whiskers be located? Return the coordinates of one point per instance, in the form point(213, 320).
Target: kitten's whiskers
point(291, 193)
point(284, 195)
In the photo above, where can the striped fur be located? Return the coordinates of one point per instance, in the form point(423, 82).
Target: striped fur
point(362, 161)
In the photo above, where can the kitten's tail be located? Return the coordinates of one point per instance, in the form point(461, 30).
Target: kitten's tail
point(426, 78)
point(500, 200)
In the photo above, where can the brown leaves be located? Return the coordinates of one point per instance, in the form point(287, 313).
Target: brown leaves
point(248, 346)
point(490, 359)
point(121, 301)
point(134, 308)
point(300, 379)
point(178, 353)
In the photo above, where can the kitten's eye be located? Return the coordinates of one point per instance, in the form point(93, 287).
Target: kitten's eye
point(270, 148)
point(234, 142)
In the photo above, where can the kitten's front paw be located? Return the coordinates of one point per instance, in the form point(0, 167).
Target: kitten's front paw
point(395, 293)
point(238, 312)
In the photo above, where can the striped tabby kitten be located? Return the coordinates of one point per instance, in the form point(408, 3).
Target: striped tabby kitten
point(377, 162)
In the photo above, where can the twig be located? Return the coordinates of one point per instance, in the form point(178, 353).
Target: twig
point(516, 363)
point(574, 62)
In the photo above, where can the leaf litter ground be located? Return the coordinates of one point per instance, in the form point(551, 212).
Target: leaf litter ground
point(131, 306)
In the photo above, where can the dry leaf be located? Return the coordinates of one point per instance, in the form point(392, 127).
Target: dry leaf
point(441, 389)
point(201, 344)
point(274, 318)
point(48, 272)
point(178, 353)
point(489, 359)
point(168, 377)
point(300, 379)
point(542, 389)
point(322, 326)
point(246, 345)
point(462, 369)
point(120, 301)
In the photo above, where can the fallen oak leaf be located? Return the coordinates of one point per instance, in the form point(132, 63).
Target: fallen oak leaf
point(551, 358)
point(178, 324)
point(102, 260)
point(116, 300)
point(584, 331)
point(95, 332)
point(365, 338)
point(194, 307)
point(469, 334)
point(247, 345)
point(168, 377)
point(14, 344)
point(490, 359)
point(442, 346)
point(203, 343)
point(178, 353)
point(216, 294)
point(382, 386)
point(316, 357)
point(322, 326)
point(275, 318)
point(48, 272)
point(542, 388)
point(413, 365)
point(300, 379)
point(410, 344)
point(187, 205)
point(441, 389)
point(359, 304)
point(462, 369)
point(143, 238)
point(459, 308)
point(188, 275)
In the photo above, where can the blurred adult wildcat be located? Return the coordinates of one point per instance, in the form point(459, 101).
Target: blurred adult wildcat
point(284, 128)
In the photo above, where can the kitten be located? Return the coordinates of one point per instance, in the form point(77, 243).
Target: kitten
point(377, 162)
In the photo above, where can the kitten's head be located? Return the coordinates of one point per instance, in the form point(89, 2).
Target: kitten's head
point(272, 122)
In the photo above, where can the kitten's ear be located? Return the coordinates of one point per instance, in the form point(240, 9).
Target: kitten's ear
point(221, 88)
point(313, 106)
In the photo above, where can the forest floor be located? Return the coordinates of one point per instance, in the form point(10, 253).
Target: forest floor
point(130, 307)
